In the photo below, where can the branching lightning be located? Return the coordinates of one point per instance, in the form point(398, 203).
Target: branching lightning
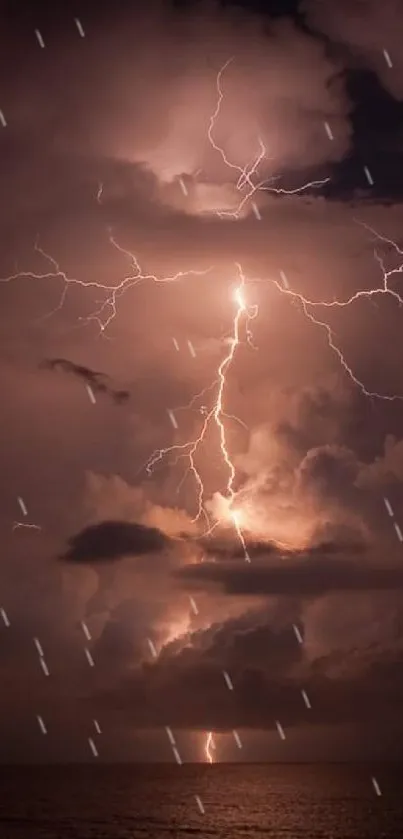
point(215, 415)
point(383, 289)
point(245, 183)
point(245, 180)
point(107, 311)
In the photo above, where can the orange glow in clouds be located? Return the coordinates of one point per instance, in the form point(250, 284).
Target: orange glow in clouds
point(264, 519)
point(178, 630)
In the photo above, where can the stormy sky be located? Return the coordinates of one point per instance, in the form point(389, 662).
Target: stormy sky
point(202, 402)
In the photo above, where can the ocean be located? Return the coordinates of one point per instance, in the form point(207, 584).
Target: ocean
point(281, 801)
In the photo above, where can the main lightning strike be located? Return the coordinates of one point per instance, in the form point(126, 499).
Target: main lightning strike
point(216, 416)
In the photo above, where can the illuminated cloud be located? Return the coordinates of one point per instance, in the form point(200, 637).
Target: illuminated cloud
point(109, 155)
point(267, 666)
point(281, 87)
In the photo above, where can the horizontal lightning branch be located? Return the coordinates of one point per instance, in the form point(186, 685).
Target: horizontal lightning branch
point(384, 289)
point(107, 311)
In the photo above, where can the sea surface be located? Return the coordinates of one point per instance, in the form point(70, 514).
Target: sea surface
point(281, 801)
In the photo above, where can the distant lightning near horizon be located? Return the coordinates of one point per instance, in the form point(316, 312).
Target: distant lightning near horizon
point(209, 746)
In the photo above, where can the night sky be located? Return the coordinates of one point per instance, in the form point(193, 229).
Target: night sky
point(202, 418)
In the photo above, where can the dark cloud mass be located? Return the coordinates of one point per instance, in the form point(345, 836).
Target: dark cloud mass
point(112, 540)
point(305, 578)
point(258, 376)
point(97, 381)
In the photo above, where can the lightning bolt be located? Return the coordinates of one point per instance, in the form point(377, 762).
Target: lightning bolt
point(384, 289)
point(107, 310)
point(246, 184)
point(210, 745)
point(215, 416)
point(245, 181)
point(23, 524)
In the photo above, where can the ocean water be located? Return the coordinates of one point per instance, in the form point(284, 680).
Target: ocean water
point(292, 801)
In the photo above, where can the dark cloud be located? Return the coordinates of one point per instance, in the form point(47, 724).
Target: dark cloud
point(228, 548)
point(366, 29)
point(122, 640)
point(307, 577)
point(330, 469)
point(97, 381)
point(267, 668)
point(111, 540)
point(384, 470)
point(232, 548)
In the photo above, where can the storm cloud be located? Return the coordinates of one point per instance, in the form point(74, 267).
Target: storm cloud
point(111, 540)
point(134, 263)
point(310, 577)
